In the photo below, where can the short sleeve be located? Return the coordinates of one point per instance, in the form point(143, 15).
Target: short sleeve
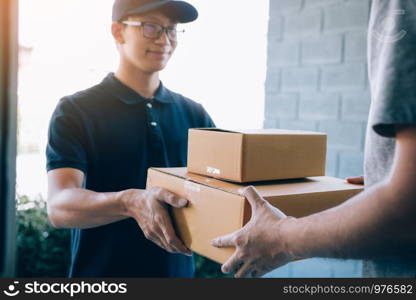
point(206, 119)
point(392, 65)
point(66, 139)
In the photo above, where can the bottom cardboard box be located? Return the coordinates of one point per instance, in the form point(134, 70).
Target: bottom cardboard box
point(216, 208)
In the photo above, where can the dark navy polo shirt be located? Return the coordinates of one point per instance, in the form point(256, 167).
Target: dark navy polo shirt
point(113, 135)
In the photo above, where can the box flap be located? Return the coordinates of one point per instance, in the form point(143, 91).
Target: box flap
point(305, 186)
point(204, 180)
point(270, 131)
point(215, 129)
point(269, 188)
point(279, 132)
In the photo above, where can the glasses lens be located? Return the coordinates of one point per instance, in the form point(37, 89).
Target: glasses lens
point(152, 31)
point(172, 34)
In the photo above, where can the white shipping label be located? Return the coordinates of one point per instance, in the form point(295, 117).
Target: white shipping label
point(213, 171)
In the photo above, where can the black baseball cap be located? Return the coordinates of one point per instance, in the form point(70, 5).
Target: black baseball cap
point(180, 11)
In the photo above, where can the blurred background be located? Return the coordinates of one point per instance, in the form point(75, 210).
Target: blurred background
point(294, 64)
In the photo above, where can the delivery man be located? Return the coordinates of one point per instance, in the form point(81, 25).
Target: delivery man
point(379, 224)
point(102, 141)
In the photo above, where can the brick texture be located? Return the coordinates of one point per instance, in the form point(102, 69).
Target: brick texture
point(317, 80)
point(317, 77)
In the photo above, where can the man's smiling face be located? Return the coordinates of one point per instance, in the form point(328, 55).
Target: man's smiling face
point(146, 54)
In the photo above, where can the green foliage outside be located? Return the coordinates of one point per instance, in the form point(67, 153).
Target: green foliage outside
point(44, 251)
point(206, 268)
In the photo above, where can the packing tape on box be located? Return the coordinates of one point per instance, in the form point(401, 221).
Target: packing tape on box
point(213, 171)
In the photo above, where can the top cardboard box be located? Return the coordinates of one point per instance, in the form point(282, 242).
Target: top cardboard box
point(256, 155)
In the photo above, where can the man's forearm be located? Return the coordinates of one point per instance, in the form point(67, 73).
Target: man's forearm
point(376, 222)
point(81, 208)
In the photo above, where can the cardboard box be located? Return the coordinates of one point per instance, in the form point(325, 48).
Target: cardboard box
point(216, 208)
point(256, 155)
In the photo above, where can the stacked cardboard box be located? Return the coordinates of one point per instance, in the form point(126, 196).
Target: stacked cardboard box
point(286, 167)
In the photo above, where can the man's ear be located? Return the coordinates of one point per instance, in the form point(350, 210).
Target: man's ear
point(117, 32)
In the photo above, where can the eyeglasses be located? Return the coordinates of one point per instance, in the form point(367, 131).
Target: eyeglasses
point(155, 31)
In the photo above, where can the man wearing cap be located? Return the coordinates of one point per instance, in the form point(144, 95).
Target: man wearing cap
point(102, 141)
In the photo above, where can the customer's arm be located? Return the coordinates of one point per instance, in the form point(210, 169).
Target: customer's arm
point(379, 221)
point(71, 206)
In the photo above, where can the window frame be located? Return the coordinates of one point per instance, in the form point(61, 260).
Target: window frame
point(8, 134)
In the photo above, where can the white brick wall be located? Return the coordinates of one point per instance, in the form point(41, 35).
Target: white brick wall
point(317, 80)
point(317, 77)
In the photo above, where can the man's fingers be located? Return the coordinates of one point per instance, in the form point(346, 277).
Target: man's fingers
point(253, 197)
point(155, 238)
point(165, 245)
point(356, 180)
point(170, 198)
point(171, 237)
point(232, 264)
point(224, 241)
point(256, 200)
point(245, 271)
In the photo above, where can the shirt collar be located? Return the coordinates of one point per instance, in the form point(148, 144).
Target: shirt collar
point(129, 96)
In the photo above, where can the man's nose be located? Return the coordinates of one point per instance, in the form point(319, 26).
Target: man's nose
point(164, 39)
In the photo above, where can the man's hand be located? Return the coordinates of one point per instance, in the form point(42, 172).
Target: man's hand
point(356, 180)
point(150, 209)
point(258, 246)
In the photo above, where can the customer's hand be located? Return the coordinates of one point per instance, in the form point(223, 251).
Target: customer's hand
point(259, 248)
point(356, 180)
point(150, 209)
